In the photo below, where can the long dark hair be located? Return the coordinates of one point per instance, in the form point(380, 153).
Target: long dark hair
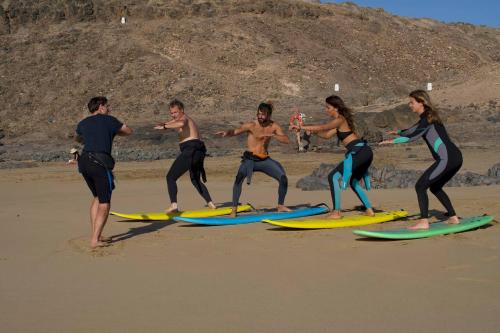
point(343, 110)
point(423, 97)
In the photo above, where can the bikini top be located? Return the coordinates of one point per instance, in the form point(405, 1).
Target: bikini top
point(342, 135)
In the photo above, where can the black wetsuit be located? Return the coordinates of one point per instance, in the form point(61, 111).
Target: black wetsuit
point(95, 163)
point(359, 157)
point(191, 159)
point(250, 164)
point(448, 160)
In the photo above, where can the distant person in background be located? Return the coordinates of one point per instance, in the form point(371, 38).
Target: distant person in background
point(97, 132)
point(297, 120)
point(191, 158)
point(75, 154)
point(447, 156)
point(358, 159)
point(256, 158)
point(123, 13)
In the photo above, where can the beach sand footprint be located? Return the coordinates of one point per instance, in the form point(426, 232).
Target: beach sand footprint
point(81, 245)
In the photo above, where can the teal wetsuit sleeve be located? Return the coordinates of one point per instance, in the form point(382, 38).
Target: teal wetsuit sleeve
point(401, 139)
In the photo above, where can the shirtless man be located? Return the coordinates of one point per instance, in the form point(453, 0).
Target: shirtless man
point(256, 158)
point(192, 156)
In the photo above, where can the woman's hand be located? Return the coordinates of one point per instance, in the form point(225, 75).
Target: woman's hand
point(385, 142)
point(392, 132)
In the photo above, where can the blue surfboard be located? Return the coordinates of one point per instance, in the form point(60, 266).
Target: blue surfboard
point(251, 218)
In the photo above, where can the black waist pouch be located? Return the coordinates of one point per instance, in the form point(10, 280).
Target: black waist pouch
point(105, 160)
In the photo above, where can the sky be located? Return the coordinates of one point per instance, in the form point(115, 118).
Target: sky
point(478, 12)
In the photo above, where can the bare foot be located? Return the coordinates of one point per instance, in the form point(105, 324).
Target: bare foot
point(95, 245)
point(105, 239)
point(172, 209)
point(282, 208)
point(335, 214)
point(211, 205)
point(233, 212)
point(452, 220)
point(369, 212)
point(422, 224)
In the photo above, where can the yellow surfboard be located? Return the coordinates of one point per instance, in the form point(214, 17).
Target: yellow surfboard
point(345, 221)
point(162, 216)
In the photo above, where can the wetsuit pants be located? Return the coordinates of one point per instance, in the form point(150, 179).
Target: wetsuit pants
point(268, 166)
point(362, 158)
point(435, 178)
point(190, 159)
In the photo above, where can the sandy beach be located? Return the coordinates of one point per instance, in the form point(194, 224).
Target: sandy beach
point(222, 59)
point(175, 277)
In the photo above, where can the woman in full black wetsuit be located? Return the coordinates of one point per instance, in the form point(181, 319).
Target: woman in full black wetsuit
point(359, 155)
point(447, 156)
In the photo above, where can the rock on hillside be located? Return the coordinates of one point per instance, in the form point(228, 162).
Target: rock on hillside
point(220, 57)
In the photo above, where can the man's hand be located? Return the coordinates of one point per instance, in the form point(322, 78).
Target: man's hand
point(159, 127)
point(392, 132)
point(222, 134)
point(385, 142)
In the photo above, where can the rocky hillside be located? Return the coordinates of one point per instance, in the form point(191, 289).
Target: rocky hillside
point(221, 57)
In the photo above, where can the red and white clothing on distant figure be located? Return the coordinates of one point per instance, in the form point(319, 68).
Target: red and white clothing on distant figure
point(297, 119)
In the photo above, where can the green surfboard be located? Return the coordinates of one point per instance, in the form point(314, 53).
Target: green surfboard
point(435, 229)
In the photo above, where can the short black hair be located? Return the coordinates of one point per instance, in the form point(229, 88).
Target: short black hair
point(176, 102)
point(265, 107)
point(96, 102)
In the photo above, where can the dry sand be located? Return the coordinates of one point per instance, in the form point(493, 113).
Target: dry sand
point(174, 277)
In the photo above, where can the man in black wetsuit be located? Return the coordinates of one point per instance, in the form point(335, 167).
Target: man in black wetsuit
point(97, 132)
point(191, 158)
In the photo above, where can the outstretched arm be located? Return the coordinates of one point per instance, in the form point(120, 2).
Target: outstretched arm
point(417, 132)
point(327, 134)
point(334, 124)
point(124, 130)
point(235, 131)
point(280, 135)
point(171, 124)
point(408, 131)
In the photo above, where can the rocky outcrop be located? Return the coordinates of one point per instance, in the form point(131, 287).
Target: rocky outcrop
point(24, 12)
point(390, 177)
